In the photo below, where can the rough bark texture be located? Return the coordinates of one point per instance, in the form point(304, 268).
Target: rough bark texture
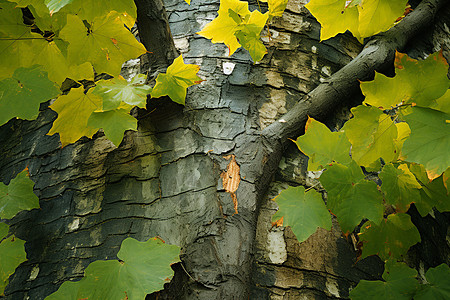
point(165, 180)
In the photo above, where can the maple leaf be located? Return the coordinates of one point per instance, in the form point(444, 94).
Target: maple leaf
point(379, 15)
point(21, 95)
point(276, 7)
point(114, 123)
point(304, 211)
point(74, 110)
point(391, 238)
point(334, 17)
point(372, 134)
point(249, 35)
point(118, 90)
point(419, 82)
point(107, 44)
point(143, 269)
point(399, 283)
point(429, 141)
point(399, 186)
point(223, 28)
point(323, 146)
point(12, 252)
point(351, 197)
point(176, 80)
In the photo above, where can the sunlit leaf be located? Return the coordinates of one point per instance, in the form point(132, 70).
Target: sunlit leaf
point(277, 7)
point(176, 80)
point(90, 9)
point(391, 238)
point(74, 110)
point(379, 15)
point(21, 95)
point(18, 195)
point(372, 134)
point(249, 35)
point(116, 90)
point(55, 5)
point(323, 146)
point(399, 283)
point(429, 141)
point(437, 285)
point(223, 28)
point(419, 82)
point(334, 17)
point(143, 269)
point(114, 123)
point(351, 197)
point(400, 187)
point(12, 254)
point(107, 44)
point(303, 210)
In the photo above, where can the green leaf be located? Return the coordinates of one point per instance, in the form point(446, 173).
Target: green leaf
point(379, 15)
point(400, 187)
point(350, 197)
point(372, 134)
point(303, 210)
point(114, 123)
point(3, 230)
point(249, 35)
point(116, 90)
point(334, 17)
point(176, 80)
point(400, 284)
point(107, 44)
point(223, 28)
point(429, 141)
point(17, 196)
point(390, 239)
point(55, 5)
point(438, 285)
point(21, 95)
point(74, 110)
point(143, 269)
point(90, 9)
point(323, 146)
point(419, 82)
point(432, 194)
point(12, 254)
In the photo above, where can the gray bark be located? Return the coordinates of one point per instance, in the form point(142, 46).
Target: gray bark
point(164, 179)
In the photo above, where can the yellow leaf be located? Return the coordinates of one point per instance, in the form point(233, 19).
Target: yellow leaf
point(74, 110)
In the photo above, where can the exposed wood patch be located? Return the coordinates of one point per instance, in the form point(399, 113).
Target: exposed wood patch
point(231, 179)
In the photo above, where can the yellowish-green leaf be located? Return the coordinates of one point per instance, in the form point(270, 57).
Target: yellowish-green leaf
point(277, 7)
point(12, 254)
point(176, 80)
point(372, 134)
point(74, 110)
point(91, 9)
point(419, 82)
point(334, 17)
point(323, 146)
point(249, 35)
point(400, 187)
point(379, 15)
point(114, 123)
point(107, 44)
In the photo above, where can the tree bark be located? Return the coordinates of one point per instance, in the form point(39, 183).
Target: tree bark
point(165, 178)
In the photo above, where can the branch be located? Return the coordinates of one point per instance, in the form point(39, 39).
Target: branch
point(154, 33)
point(377, 55)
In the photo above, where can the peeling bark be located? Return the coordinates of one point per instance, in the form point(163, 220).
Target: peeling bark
point(165, 180)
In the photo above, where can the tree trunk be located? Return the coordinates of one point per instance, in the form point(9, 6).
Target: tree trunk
point(165, 179)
